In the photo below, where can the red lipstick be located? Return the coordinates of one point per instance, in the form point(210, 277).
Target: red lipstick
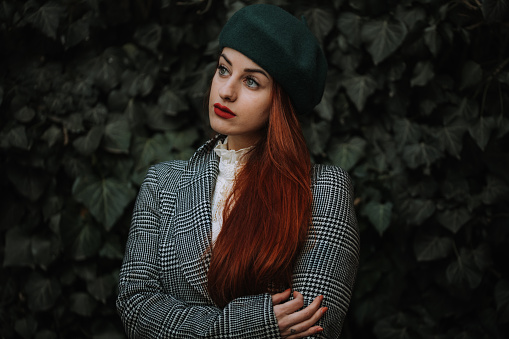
point(223, 111)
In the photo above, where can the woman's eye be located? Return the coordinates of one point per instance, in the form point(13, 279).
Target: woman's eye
point(222, 70)
point(250, 82)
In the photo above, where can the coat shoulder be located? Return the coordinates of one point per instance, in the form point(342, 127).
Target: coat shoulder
point(167, 173)
point(330, 174)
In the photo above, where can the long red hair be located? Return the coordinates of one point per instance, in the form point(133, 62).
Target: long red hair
point(268, 213)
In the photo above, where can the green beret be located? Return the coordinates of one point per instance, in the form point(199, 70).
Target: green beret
point(283, 46)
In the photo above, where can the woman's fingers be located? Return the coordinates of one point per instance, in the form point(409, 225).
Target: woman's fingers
point(311, 331)
point(300, 323)
point(278, 298)
point(293, 307)
point(295, 322)
point(305, 328)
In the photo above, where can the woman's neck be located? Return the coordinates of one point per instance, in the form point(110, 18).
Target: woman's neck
point(236, 142)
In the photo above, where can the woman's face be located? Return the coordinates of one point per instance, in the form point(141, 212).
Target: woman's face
point(240, 99)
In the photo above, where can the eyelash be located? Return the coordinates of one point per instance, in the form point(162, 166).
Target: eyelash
point(250, 78)
point(222, 70)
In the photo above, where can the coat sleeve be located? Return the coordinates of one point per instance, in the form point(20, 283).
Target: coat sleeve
point(148, 312)
point(329, 261)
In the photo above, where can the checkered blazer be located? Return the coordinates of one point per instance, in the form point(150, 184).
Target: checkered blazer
point(162, 287)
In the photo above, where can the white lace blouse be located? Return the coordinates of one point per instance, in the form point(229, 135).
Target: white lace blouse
point(230, 161)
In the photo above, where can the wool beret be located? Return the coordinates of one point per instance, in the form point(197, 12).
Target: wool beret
point(283, 46)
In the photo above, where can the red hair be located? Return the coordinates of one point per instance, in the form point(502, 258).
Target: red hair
point(268, 213)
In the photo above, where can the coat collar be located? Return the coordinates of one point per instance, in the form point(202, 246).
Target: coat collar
point(193, 215)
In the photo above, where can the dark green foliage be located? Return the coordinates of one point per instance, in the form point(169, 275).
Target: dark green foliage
point(93, 92)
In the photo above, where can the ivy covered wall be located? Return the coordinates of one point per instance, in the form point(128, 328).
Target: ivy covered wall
point(416, 109)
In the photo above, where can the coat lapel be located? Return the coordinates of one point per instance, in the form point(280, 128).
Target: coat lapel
point(193, 216)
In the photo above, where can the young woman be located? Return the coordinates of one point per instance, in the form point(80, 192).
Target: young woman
point(246, 239)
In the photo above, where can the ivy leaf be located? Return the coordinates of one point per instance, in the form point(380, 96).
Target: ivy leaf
point(428, 248)
point(350, 25)
point(134, 113)
point(455, 187)
point(423, 73)
point(471, 75)
point(359, 88)
point(25, 114)
point(112, 248)
point(416, 211)
point(156, 119)
point(171, 103)
point(410, 16)
point(97, 114)
point(494, 191)
point(106, 69)
point(317, 135)
point(41, 292)
point(44, 250)
point(17, 248)
point(149, 36)
point(117, 135)
point(47, 18)
point(105, 198)
point(177, 34)
point(419, 154)
point(482, 257)
point(463, 270)
point(347, 154)
point(495, 10)
point(396, 71)
point(77, 32)
point(432, 39)
point(319, 21)
point(383, 37)
point(86, 243)
point(117, 100)
point(481, 130)
point(347, 62)
point(148, 151)
point(379, 215)
point(101, 288)
point(326, 107)
point(52, 135)
point(406, 132)
point(468, 109)
point(87, 144)
point(503, 77)
point(82, 304)
point(86, 271)
point(181, 140)
point(57, 102)
point(502, 127)
point(17, 137)
point(450, 137)
point(30, 183)
point(454, 219)
point(135, 84)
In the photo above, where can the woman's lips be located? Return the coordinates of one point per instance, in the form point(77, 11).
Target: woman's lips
point(223, 111)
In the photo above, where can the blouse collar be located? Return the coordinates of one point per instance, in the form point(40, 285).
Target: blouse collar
point(230, 156)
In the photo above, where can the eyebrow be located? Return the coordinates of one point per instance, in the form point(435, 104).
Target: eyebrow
point(248, 70)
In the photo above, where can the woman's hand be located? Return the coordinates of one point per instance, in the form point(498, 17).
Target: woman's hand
point(292, 322)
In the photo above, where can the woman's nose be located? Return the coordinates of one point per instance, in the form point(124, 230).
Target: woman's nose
point(228, 91)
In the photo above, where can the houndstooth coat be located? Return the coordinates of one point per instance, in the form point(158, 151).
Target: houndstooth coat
point(162, 288)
